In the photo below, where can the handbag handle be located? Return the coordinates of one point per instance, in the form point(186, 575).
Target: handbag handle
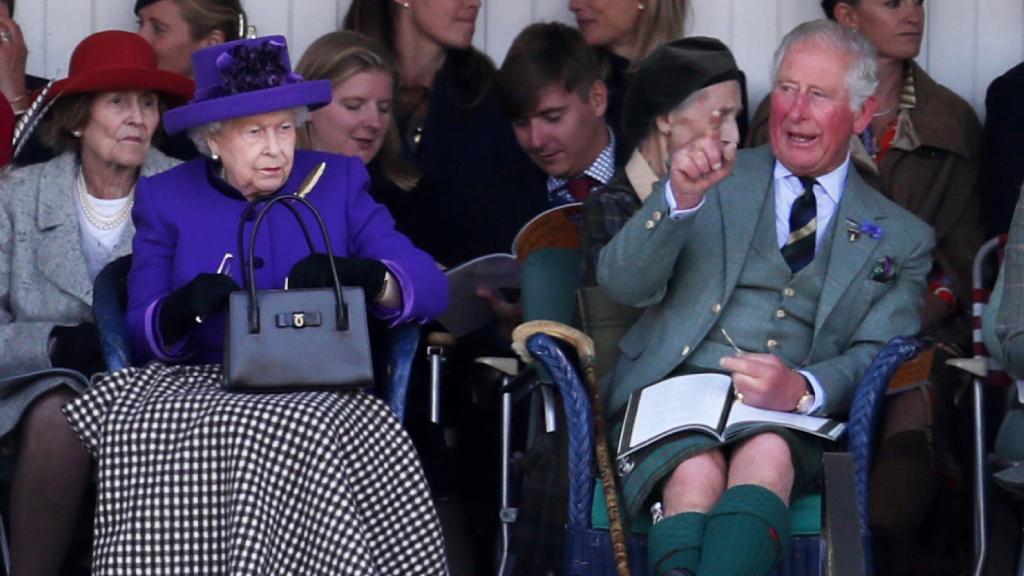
point(341, 311)
point(241, 231)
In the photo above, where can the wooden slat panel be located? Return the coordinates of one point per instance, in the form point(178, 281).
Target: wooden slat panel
point(967, 44)
point(1000, 43)
point(502, 22)
point(951, 60)
point(756, 29)
point(31, 17)
point(66, 24)
point(113, 15)
point(311, 19)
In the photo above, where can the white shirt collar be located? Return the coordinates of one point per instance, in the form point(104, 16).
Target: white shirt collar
point(833, 182)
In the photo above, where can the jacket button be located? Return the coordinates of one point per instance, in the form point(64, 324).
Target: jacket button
point(772, 344)
point(686, 351)
point(780, 313)
point(656, 216)
point(788, 292)
point(649, 225)
point(716, 309)
point(257, 262)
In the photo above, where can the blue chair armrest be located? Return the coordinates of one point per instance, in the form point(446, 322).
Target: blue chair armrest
point(578, 425)
point(108, 296)
point(403, 341)
point(865, 416)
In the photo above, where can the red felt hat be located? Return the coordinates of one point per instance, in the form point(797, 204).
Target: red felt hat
point(119, 60)
point(6, 132)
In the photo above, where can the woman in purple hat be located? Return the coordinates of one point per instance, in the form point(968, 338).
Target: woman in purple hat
point(61, 221)
point(191, 475)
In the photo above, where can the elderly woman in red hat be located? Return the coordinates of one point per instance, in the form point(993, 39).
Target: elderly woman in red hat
point(310, 482)
point(60, 223)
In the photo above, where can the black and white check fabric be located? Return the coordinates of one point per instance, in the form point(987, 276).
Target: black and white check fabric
point(195, 480)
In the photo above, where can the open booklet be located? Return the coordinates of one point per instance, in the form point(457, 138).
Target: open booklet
point(704, 403)
point(558, 227)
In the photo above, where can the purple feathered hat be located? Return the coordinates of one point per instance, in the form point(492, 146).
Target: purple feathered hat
point(243, 78)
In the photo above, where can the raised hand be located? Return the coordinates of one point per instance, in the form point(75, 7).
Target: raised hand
point(764, 381)
point(701, 164)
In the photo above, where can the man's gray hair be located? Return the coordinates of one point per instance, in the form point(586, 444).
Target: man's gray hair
point(862, 75)
point(199, 134)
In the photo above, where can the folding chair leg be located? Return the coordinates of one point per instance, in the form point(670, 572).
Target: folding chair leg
point(980, 479)
point(507, 515)
point(436, 357)
point(1020, 559)
point(5, 550)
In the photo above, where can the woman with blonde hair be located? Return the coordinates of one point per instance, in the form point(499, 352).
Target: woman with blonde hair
point(625, 32)
point(447, 113)
point(359, 120)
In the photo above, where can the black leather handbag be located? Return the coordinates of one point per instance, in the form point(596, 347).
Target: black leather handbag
point(289, 340)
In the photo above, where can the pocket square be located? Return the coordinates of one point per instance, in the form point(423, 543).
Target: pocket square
point(884, 270)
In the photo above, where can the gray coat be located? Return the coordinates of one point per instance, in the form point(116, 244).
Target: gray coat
point(43, 277)
point(684, 272)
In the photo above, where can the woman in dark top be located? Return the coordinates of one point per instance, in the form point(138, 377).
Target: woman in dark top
point(448, 117)
point(359, 120)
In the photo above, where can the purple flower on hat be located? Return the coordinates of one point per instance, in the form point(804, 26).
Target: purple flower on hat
point(247, 68)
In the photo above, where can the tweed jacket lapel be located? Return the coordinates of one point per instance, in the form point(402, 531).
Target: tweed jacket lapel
point(741, 200)
point(60, 257)
point(846, 258)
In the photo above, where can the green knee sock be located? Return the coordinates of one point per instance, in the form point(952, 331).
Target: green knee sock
point(675, 542)
point(747, 531)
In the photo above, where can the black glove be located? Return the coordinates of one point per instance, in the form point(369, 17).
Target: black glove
point(206, 294)
point(314, 271)
point(78, 348)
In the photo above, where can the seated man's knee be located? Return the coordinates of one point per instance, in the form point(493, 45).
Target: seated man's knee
point(695, 484)
point(764, 460)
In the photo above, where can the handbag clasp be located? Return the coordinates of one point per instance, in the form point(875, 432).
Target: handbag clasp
point(298, 320)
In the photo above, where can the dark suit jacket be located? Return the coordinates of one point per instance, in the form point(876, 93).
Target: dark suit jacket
point(1002, 158)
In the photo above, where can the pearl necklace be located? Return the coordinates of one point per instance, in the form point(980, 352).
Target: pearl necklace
point(95, 218)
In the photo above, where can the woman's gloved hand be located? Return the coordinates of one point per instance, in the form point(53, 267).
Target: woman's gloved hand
point(77, 348)
point(206, 294)
point(314, 271)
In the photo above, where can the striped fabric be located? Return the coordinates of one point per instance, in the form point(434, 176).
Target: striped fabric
point(980, 295)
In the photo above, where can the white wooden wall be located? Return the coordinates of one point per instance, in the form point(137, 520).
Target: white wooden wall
point(968, 42)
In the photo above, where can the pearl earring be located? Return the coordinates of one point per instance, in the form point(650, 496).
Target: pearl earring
point(641, 6)
point(215, 157)
point(76, 133)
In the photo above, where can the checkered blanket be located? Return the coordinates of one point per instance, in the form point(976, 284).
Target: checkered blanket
point(195, 480)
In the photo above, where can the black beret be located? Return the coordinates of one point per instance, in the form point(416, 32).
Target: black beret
point(140, 4)
point(670, 75)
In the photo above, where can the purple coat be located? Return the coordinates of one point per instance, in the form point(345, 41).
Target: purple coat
point(187, 218)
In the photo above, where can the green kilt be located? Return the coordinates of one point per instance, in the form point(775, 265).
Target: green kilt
point(643, 472)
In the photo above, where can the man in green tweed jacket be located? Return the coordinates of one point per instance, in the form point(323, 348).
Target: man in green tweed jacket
point(794, 256)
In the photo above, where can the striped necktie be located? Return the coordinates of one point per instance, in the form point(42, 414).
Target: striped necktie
point(799, 248)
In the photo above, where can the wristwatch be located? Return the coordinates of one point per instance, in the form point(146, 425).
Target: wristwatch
point(804, 404)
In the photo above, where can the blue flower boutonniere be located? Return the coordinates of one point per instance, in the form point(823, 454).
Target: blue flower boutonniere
point(855, 229)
